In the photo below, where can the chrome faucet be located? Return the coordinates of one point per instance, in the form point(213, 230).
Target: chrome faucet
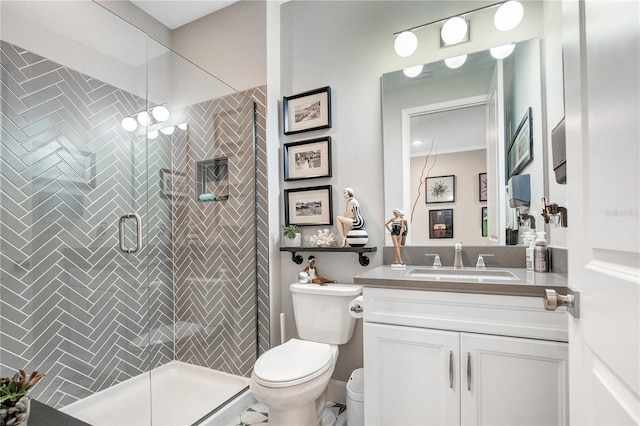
point(457, 262)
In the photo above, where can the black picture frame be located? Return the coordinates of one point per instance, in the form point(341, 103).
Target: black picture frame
point(482, 187)
point(520, 151)
point(484, 222)
point(441, 223)
point(304, 112)
point(312, 206)
point(440, 189)
point(307, 159)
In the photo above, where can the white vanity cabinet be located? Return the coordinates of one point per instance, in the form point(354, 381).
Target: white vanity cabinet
point(434, 358)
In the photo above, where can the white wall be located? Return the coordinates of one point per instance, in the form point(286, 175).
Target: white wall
point(231, 44)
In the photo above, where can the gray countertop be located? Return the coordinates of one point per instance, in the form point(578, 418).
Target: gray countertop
point(527, 283)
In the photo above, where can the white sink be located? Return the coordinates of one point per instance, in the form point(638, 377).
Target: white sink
point(461, 274)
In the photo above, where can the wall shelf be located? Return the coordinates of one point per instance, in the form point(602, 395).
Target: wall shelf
point(296, 258)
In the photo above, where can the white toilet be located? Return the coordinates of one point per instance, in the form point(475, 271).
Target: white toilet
point(292, 378)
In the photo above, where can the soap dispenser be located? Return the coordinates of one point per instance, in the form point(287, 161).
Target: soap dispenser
point(457, 262)
point(541, 253)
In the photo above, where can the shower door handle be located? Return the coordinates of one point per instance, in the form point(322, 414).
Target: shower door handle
point(138, 221)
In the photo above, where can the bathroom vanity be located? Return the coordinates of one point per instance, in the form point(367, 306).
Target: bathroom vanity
point(451, 349)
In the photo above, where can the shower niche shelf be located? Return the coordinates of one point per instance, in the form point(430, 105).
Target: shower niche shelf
point(296, 258)
point(212, 180)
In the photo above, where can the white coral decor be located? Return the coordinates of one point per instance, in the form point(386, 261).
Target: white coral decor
point(324, 238)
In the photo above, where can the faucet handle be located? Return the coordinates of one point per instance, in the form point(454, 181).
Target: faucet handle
point(480, 263)
point(436, 260)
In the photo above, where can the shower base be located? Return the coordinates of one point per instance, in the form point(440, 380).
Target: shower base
point(174, 394)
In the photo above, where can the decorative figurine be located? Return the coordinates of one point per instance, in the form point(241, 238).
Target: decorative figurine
point(352, 219)
point(398, 227)
point(312, 272)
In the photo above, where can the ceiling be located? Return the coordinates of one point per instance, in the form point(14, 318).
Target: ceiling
point(176, 13)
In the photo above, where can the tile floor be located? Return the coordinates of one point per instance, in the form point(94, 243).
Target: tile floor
point(258, 413)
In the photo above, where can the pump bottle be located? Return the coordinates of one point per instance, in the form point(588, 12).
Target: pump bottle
point(541, 254)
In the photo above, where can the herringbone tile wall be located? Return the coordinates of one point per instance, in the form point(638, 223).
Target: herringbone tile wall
point(74, 306)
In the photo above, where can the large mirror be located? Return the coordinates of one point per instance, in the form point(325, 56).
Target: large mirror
point(453, 137)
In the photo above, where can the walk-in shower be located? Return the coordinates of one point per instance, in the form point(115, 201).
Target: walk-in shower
point(131, 219)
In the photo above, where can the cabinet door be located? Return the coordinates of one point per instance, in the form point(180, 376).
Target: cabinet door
point(411, 376)
point(511, 381)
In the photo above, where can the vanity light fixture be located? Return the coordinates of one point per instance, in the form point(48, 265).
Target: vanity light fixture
point(455, 29)
point(129, 124)
point(456, 61)
point(406, 43)
point(154, 115)
point(412, 72)
point(502, 52)
point(508, 16)
point(168, 130)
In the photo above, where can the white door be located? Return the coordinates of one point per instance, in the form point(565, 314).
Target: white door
point(601, 60)
point(496, 199)
point(411, 376)
point(512, 381)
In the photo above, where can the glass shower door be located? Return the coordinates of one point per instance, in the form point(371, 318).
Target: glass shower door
point(74, 305)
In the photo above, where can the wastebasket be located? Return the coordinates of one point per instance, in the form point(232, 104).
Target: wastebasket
point(355, 398)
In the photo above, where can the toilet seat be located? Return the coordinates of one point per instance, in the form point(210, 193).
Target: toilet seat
point(292, 363)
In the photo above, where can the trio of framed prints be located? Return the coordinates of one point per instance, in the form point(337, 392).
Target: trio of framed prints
point(308, 159)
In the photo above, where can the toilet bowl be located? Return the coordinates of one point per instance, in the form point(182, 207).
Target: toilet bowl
point(291, 378)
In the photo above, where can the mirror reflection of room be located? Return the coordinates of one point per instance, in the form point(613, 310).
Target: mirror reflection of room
point(462, 122)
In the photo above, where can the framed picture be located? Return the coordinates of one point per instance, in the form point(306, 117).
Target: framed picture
point(307, 111)
point(482, 186)
point(308, 206)
point(484, 222)
point(173, 184)
point(441, 223)
point(520, 151)
point(441, 189)
point(307, 159)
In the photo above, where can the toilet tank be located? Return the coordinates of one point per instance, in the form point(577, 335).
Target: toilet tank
point(322, 311)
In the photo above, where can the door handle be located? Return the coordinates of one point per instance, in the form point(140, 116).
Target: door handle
point(552, 300)
point(451, 369)
point(469, 371)
point(121, 233)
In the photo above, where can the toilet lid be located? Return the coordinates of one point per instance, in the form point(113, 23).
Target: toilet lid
point(292, 363)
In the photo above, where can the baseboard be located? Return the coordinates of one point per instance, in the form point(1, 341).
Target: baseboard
point(337, 391)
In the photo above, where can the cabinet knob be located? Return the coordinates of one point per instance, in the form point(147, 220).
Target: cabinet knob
point(552, 300)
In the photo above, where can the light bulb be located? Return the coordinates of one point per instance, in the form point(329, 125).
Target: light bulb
point(417, 142)
point(153, 134)
point(413, 71)
point(182, 126)
point(160, 113)
point(143, 118)
point(168, 130)
point(508, 16)
point(454, 30)
point(406, 43)
point(129, 124)
point(455, 62)
point(502, 52)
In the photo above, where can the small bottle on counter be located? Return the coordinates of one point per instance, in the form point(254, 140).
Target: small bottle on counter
point(529, 242)
point(541, 254)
